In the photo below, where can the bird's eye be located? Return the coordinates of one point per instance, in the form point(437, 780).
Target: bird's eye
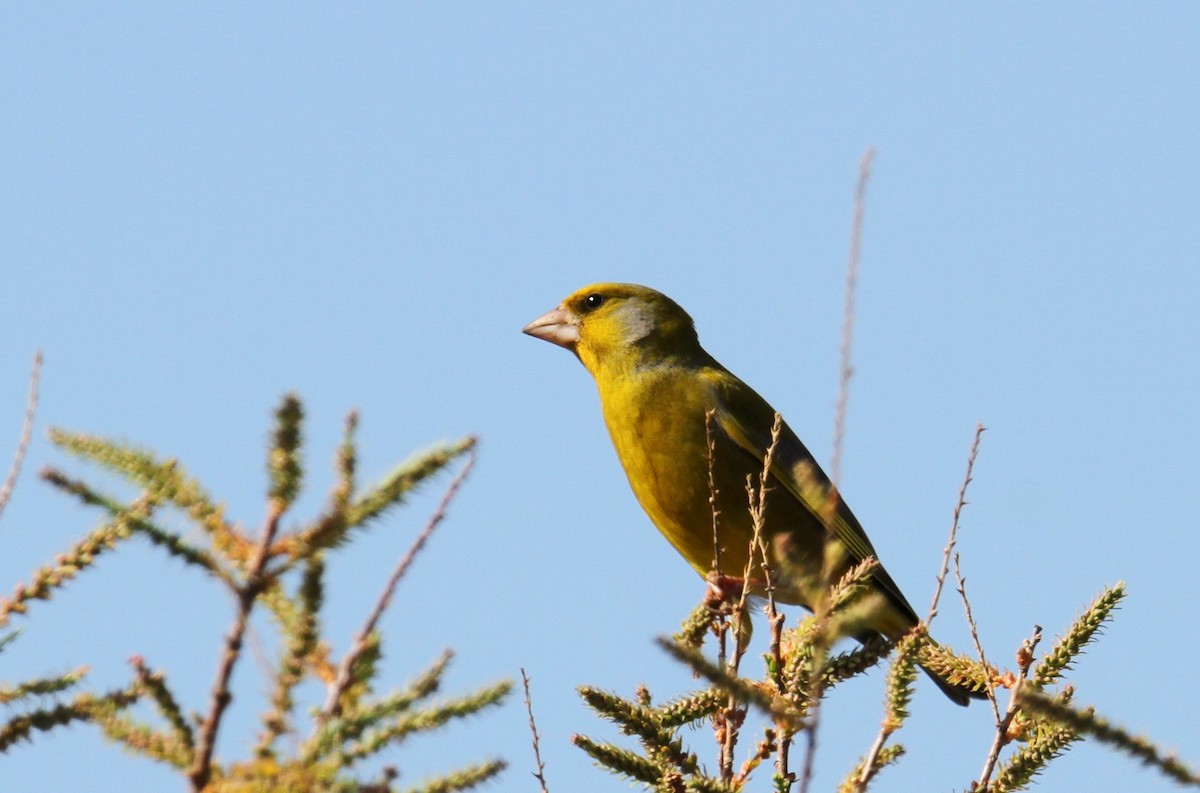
point(593, 301)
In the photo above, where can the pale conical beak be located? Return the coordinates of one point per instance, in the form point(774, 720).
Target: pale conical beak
point(557, 327)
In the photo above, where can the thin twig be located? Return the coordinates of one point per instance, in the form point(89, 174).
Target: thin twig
point(846, 371)
point(727, 726)
point(711, 443)
point(962, 591)
point(540, 774)
point(958, 508)
point(868, 766)
point(31, 403)
point(758, 511)
point(886, 730)
point(820, 643)
point(1024, 662)
point(758, 515)
point(725, 729)
point(343, 679)
point(247, 594)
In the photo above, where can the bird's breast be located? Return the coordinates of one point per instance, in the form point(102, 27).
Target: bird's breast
point(658, 429)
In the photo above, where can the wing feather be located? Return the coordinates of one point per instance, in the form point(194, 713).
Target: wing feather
point(795, 469)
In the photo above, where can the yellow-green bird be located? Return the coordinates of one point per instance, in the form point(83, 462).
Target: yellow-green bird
point(657, 385)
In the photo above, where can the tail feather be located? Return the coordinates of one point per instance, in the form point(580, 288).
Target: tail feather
point(959, 693)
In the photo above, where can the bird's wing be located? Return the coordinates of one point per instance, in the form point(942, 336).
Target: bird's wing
point(795, 469)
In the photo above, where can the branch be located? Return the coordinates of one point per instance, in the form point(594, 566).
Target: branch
point(900, 680)
point(66, 566)
point(747, 691)
point(1024, 662)
point(343, 680)
point(847, 370)
point(539, 775)
point(839, 433)
point(991, 688)
point(1087, 722)
point(201, 770)
point(958, 508)
point(26, 432)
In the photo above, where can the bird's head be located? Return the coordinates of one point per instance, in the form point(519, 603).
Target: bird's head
point(619, 327)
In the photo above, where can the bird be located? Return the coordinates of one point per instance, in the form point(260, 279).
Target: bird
point(686, 429)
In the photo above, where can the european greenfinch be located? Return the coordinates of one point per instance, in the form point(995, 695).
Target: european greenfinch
point(665, 400)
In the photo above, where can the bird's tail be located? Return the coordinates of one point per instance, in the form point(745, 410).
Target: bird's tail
point(959, 692)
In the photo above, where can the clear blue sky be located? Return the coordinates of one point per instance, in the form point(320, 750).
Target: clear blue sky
point(207, 205)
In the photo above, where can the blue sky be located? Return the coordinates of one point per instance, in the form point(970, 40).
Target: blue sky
point(207, 205)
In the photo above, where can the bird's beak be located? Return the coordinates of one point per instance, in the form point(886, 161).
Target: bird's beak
point(558, 327)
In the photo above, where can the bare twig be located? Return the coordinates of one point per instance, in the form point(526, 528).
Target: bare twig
point(962, 591)
point(729, 719)
point(26, 432)
point(868, 767)
point(820, 644)
point(958, 508)
point(725, 722)
point(758, 515)
point(711, 443)
point(247, 594)
point(540, 774)
point(847, 370)
point(758, 511)
point(361, 641)
point(835, 467)
point(1002, 738)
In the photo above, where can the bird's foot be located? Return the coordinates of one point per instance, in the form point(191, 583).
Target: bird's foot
point(725, 590)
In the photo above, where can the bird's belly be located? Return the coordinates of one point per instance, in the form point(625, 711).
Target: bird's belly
point(667, 467)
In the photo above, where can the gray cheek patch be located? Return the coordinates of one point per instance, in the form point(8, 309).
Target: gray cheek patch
point(637, 325)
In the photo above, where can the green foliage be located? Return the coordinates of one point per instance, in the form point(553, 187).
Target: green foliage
point(41, 687)
point(955, 668)
point(324, 749)
point(900, 680)
point(1032, 757)
point(283, 571)
point(82, 708)
point(855, 662)
point(69, 564)
point(869, 766)
point(1036, 727)
point(1066, 723)
point(1085, 629)
point(284, 464)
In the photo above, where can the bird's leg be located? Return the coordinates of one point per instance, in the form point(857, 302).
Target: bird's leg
point(725, 597)
point(722, 591)
point(725, 590)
